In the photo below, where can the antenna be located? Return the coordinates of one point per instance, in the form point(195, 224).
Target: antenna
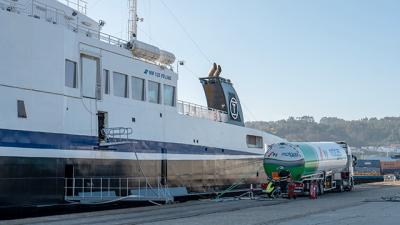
point(133, 20)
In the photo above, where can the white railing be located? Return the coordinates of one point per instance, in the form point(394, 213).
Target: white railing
point(14, 6)
point(194, 110)
point(38, 10)
point(79, 5)
point(117, 134)
point(98, 189)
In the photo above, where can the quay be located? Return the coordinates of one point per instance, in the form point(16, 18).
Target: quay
point(376, 203)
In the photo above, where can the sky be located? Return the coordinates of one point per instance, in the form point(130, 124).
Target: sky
point(285, 57)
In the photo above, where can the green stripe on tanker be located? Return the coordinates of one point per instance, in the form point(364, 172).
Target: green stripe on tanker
point(310, 158)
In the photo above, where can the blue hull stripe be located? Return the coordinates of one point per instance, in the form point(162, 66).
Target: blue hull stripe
point(43, 140)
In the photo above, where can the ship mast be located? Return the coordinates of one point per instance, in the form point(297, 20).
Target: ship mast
point(133, 20)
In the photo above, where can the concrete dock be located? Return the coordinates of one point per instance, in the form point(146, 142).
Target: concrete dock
point(367, 204)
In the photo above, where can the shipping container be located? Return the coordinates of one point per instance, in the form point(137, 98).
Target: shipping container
point(368, 168)
point(390, 165)
point(369, 163)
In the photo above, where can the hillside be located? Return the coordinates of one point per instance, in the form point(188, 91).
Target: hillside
point(358, 133)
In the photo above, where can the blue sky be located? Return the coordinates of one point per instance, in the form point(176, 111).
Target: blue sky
point(286, 57)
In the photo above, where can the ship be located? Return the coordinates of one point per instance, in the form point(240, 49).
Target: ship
point(84, 113)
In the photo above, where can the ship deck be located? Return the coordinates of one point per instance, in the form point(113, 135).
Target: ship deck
point(362, 206)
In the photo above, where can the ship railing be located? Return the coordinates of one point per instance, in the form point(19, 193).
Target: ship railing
point(39, 10)
point(198, 111)
point(98, 189)
point(79, 5)
point(117, 134)
point(15, 6)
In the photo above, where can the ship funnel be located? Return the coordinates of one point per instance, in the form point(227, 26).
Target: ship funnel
point(212, 71)
point(218, 72)
point(221, 95)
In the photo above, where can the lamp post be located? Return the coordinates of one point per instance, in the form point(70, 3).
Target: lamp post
point(179, 63)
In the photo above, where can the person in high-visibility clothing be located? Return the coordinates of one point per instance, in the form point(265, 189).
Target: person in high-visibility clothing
point(270, 188)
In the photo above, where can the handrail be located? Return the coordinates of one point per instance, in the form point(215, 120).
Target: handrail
point(203, 112)
point(79, 5)
point(58, 16)
point(117, 133)
point(37, 9)
point(113, 187)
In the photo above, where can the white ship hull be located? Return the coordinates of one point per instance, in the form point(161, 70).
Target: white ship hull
point(59, 125)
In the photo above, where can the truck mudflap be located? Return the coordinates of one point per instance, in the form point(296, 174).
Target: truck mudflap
point(298, 188)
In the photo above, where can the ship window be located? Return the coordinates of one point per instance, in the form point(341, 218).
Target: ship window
point(21, 109)
point(138, 89)
point(70, 74)
point(254, 141)
point(106, 81)
point(169, 95)
point(120, 85)
point(154, 92)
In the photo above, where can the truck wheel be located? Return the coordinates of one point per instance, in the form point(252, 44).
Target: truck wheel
point(340, 188)
point(350, 187)
point(321, 188)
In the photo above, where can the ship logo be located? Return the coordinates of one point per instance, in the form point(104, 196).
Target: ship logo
point(157, 74)
point(234, 108)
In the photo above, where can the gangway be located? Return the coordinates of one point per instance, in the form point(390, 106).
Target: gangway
point(106, 190)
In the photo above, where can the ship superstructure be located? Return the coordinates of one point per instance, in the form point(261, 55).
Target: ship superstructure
point(78, 105)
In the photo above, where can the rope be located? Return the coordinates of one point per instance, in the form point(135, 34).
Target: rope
point(142, 172)
point(237, 183)
point(187, 33)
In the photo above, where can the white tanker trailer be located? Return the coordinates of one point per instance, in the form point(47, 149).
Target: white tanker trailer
point(328, 164)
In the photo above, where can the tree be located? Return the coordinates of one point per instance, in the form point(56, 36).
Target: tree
point(358, 133)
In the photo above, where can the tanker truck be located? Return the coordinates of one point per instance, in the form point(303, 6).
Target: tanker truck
point(328, 165)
